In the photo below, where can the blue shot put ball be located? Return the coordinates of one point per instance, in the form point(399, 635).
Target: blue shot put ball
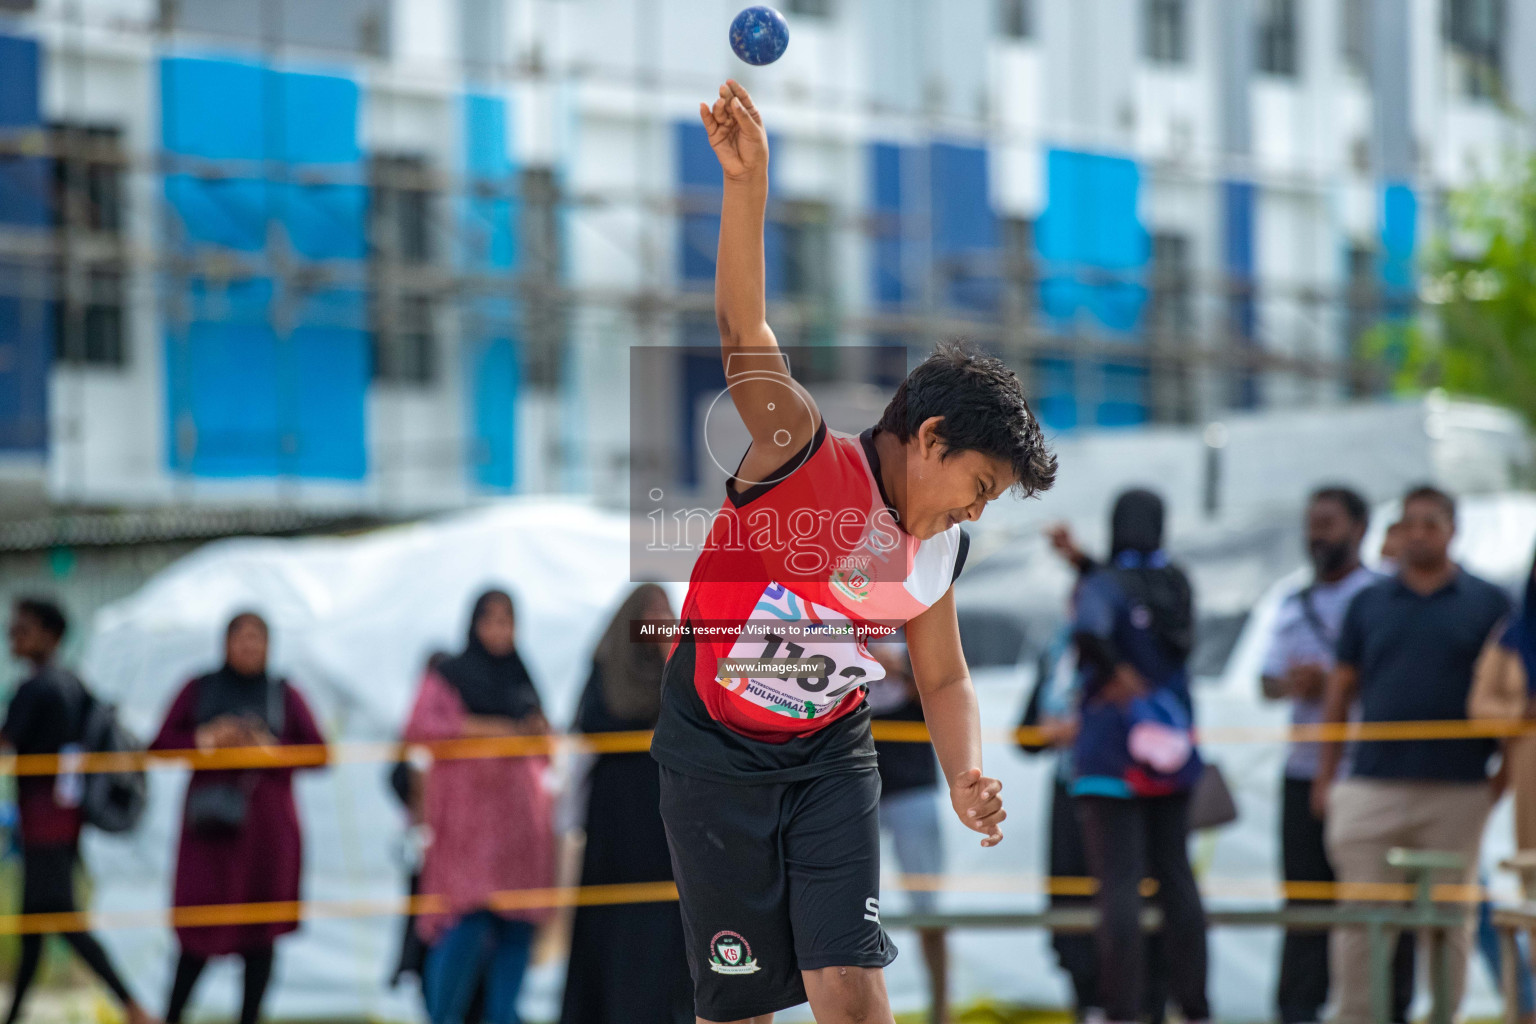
point(759, 35)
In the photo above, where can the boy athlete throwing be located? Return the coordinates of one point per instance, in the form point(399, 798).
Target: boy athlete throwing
point(768, 783)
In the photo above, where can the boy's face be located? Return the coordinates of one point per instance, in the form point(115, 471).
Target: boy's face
point(940, 491)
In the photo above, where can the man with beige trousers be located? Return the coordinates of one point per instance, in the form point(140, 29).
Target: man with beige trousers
point(1406, 653)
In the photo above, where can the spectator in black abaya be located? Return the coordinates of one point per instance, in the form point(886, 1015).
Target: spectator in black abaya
point(47, 714)
point(627, 960)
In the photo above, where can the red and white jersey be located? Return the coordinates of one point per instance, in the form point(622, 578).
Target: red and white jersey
point(798, 567)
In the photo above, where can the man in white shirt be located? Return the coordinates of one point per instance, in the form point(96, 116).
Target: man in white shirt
point(1301, 654)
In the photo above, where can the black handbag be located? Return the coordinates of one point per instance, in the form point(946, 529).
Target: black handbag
point(1211, 804)
point(220, 808)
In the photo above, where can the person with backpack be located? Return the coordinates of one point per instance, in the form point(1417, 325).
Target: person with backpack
point(1134, 761)
point(49, 715)
point(240, 837)
point(1051, 709)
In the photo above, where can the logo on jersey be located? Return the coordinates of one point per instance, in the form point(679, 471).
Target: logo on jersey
point(729, 953)
point(853, 583)
point(872, 909)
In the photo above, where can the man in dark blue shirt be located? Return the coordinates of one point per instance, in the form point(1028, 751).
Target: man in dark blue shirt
point(1405, 654)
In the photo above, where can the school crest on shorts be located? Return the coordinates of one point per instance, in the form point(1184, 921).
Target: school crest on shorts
point(729, 953)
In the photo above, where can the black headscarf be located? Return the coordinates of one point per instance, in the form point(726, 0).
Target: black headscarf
point(1149, 581)
point(1136, 523)
point(240, 694)
point(631, 670)
point(490, 684)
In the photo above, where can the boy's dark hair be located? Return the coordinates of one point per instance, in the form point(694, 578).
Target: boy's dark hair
point(1429, 492)
point(1348, 499)
point(984, 410)
point(45, 613)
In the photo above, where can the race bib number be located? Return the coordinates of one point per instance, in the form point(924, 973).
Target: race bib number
point(786, 627)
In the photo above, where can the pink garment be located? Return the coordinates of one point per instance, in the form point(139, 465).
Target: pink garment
point(490, 820)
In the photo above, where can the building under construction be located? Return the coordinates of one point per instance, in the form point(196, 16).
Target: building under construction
point(375, 257)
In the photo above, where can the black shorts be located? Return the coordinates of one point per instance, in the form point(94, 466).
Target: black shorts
point(775, 879)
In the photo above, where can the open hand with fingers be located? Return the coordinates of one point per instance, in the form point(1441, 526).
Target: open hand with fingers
point(978, 804)
point(736, 133)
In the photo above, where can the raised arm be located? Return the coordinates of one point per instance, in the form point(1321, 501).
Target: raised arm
point(780, 415)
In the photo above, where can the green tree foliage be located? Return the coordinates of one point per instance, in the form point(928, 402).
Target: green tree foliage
point(1476, 332)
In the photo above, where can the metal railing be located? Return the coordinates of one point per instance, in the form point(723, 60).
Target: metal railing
point(1431, 916)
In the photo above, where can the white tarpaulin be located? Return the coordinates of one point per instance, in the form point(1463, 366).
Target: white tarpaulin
point(354, 620)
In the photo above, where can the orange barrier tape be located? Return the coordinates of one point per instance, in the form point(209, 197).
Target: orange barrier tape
point(661, 892)
point(285, 912)
point(360, 752)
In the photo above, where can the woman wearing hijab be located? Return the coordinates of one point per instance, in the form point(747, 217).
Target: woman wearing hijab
point(1134, 765)
point(488, 819)
point(627, 961)
point(240, 837)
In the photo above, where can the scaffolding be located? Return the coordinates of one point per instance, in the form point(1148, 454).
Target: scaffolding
point(109, 290)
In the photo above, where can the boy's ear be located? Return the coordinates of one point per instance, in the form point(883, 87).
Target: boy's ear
point(928, 437)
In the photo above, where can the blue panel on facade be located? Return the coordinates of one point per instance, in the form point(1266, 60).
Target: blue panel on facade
point(1239, 202)
point(324, 388)
point(263, 407)
point(1056, 385)
point(485, 136)
point(26, 191)
point(494, 385)
point(26, 323)
point(1238, 236)
point(231, 212)
point(243, 402)
point(319, 127)
point(700, 241)
point(326, 222)
point(25, 182)
point(1399, 237)
point(964, 226)
point(697, 164)
point(962, 210)
point(885, 177)
point(20, 63)
point(698, 177)
point(214, 109)
point(699, 182)
point(490, 354)
point(885, 202)
point(319, 118)
point(231, 400)
point(1122, 397)
point(1092, 241)
point(491, 212)
point(1059, 234)
point(26, 352)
